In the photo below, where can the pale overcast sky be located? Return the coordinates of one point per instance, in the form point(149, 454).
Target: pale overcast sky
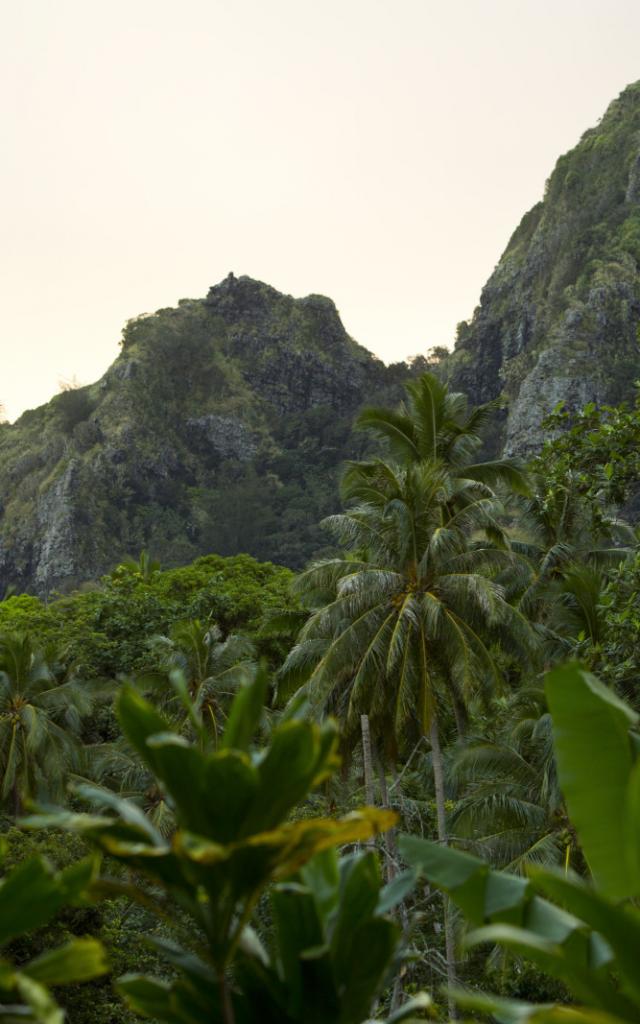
point(380, 153)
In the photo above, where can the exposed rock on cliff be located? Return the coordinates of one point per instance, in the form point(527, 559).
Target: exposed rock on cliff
point(558, 319)
point(220, 427)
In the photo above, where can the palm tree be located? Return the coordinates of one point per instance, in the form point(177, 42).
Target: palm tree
point(435, 424)
point(557, 530)
point(510, 806)
point(40, 722)
point(409, 619)
point(145, 566)
point(412, 607)
point(116, 768)
point(212, 667)
point(576, 618)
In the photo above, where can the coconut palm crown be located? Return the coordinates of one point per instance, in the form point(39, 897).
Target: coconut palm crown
point(40, 721)
point(435, 424)
point(407, 615)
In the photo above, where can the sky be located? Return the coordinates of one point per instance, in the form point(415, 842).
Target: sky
point(381, 153)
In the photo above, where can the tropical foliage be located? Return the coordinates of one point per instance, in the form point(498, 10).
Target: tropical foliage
point(40, 721)
point(232, 839)
point(412, 658)
point(108, 630)
point(585, 932)
point(30, 896)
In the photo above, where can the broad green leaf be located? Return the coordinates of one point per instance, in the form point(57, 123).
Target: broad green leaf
point(139, 721)
point(297, 752)
point(78, 960)
point(505, 897)
point(29, 897)
point(361, 975)
point(419, 1004)
point(507, 911)
point(618, 925)
point(464, 877)
point(359, 895)
point(322, 877)
point(230, 785)
point(246, 712)
point(396, 891)
point(182, 769)
point(42, 1004)
point(571, 956)
point(298, 928)
point(512, 1011)
point(631, 820)
point(150, 997)
point(593, 751)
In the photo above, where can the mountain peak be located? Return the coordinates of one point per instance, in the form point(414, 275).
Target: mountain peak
point(558, 319)
point(221, 427)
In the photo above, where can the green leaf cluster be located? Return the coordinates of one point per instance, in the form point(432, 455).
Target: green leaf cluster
point(30, 897)
point(106, 631)
point(236, 836)
point(585, 933)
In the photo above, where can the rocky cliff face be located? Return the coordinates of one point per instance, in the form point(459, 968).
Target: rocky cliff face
point(220, 427)
point(223, 422)
point(558, 319)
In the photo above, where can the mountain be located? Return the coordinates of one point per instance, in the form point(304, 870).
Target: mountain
point(558, 319)
point(220, 427)
point(222, 424)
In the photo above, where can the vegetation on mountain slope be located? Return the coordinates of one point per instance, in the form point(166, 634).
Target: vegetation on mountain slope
point(558, 319)
point(194, 735)
point(425, 635)
point(241, 401)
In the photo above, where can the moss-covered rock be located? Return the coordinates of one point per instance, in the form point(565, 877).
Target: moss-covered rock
point(219, 428)
point(558, 318)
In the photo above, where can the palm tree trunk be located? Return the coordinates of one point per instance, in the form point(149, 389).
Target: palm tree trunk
point(460, 715)
point(228, 1014)
point(438, 782)
point(392, 861)
point(367, 760)
point(438, 779)
point(391, 846)
point(17, 799)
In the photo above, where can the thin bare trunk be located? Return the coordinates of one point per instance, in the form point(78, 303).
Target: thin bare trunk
point(460, 715)
point(391, 846)
point(17, 800)
point(228, 1014)
point(392, 863)
point(367, 760)
point(438, 781)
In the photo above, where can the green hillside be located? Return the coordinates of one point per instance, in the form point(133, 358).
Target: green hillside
point(219, 428)
point(558, 319)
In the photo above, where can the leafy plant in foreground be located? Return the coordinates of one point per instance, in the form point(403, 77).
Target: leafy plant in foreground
point(30, 896)
point(584, 932)
point(333, 944)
